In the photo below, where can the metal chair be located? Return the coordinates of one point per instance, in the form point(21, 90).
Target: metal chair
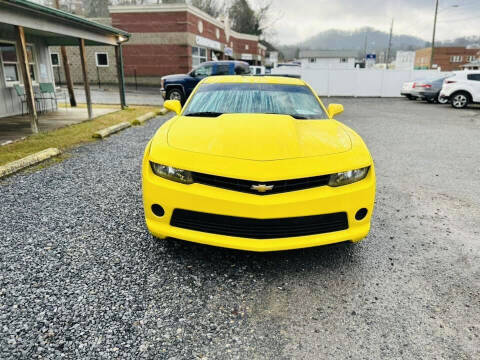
point(47, 92)
point(23, 98)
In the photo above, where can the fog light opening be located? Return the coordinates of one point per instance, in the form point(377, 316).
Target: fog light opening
point(158, 210)
point(360, 215)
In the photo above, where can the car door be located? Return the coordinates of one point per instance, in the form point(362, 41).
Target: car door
point(197, 75)
point(474, 82)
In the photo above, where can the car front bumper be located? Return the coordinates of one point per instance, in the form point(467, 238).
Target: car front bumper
point(212, 200)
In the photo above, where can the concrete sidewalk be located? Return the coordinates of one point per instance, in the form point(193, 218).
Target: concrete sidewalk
point(110, 95)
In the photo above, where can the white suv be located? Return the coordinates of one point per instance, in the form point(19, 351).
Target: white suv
point(462, 88)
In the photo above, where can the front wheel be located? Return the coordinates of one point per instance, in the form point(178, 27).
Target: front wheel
point(460, 100)
point(175, 94)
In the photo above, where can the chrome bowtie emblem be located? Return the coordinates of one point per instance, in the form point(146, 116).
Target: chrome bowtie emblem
point(262, 187)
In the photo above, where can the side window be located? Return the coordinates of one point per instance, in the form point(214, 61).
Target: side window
point(204, 71)
point(242, 70)
point(475, 77)
point(223, 69)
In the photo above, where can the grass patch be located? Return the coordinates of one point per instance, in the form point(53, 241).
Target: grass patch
point(94, 106)
point(69, 136)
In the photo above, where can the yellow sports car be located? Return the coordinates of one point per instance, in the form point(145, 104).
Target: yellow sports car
point(259, 164)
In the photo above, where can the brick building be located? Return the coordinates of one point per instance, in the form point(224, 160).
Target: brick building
point(166, 39)
point(447, 58)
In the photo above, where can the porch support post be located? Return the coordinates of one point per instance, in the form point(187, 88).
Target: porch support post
point(68, 77)
point(66, 67)
point(27, 80)
point(83, 58)
point(120, 75)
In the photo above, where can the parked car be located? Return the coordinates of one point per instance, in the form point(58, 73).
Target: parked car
point(257, 164)
point(180, 86)
point(407, 88)
point(429, 90)
point(257, 70)
point(462, 88)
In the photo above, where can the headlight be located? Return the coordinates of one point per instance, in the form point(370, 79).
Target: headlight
point(348, 177)
point(171, 173)
point(162, 83)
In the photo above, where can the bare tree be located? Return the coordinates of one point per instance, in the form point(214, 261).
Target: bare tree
point(247, 20)
point(211, 7)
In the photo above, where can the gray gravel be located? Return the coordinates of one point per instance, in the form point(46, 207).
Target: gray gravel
point(81, 278)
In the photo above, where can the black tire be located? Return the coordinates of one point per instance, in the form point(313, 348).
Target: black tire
point(410, 97)
point(176, 94)
point(430, 100)
point(441, 100)
point(460, 99)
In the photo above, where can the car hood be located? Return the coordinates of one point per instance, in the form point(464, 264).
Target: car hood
point(259, 137)
point(175, 77)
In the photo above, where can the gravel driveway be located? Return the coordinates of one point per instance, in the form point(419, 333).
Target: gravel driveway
point(80, 277)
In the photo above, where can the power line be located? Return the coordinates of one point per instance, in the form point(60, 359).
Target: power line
point(464, 19)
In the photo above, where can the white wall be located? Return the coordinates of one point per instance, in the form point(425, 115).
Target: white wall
point(358, 82)
point(9, 101)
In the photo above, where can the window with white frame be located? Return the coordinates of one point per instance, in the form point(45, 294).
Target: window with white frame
point(32, 65)
point(55, 58)
point(312, 60)
point(456, 59)
point(471, 58)
point(9, 60)
point(101, 59)
point(199, 55)
point(343, 60)
point(8, 57)
point(246, 47)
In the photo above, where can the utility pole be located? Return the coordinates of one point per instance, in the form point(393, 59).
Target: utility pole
point(389, 45)
point(433, 35)
point(66, 67)
point(365, 47)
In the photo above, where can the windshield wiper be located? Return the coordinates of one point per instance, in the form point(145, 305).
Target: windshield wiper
point(205, 114)
point(300, 117)
point(296, 116)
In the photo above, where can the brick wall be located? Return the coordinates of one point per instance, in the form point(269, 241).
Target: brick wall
point(156, 60)
point(151, 22)
point(442, 57)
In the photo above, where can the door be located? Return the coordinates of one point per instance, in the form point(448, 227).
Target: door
point(474, 83)
point(196, 76)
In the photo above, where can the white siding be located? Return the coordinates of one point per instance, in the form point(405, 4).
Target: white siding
point(9, 101)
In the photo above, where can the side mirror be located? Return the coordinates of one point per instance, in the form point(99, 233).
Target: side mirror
point(334, 109)
point(173, 105)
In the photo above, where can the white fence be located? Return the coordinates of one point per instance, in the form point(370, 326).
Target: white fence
point(357, 82)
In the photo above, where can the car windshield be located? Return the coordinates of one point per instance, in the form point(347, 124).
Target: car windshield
point(227, 98)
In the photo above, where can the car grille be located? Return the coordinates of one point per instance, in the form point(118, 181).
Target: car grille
point(245, 186)
point(259, 228)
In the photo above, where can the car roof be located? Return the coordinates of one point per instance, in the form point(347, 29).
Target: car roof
point(239, 79)
point(225, 62)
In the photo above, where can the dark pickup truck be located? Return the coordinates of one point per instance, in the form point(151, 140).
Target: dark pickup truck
point(179, 87)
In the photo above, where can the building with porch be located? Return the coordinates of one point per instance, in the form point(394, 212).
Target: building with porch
point(27, 30)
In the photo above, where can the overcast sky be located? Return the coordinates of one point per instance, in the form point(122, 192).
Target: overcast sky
point(299, 19)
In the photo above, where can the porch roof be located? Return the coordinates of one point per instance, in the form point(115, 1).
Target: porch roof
point(56, 26)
